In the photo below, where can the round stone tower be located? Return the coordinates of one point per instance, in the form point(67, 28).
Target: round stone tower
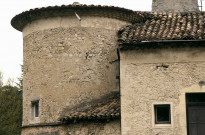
point(70, 57)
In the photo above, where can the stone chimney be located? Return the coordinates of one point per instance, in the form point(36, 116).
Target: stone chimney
point(175, 5)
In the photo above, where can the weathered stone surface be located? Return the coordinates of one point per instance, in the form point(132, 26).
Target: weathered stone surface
point(146, 80)
point(66, 67)
point(83, 128)
point(68, 62)
point(175, 5)
point(43, 131)
point(110, 128)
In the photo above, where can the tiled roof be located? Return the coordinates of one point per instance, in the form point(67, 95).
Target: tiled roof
point(22, 19)
point(165, 26)
point(108, 107)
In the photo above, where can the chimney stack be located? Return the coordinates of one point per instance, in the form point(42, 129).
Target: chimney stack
point(175, 5)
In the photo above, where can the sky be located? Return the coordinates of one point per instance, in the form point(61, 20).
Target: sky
point(11, 47)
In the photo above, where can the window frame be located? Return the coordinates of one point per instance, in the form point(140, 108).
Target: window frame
point(156, 116)
point(162, 125)
point(35, 109)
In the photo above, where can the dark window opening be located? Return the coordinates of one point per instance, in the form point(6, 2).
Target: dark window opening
point(195, 98)
point(162, 114)
point(35, 109)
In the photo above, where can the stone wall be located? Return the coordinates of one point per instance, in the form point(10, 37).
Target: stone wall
point(175, 5)
point(158, 76)
point(94, 128)
point(83, 128)
point(46, 130)
point(68, 62)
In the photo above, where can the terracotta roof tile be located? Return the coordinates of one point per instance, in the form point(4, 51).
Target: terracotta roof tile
point(162, 26)
point(108, 107)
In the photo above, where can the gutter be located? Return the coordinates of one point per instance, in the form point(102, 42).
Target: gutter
point(167, 41)
point(162, 44)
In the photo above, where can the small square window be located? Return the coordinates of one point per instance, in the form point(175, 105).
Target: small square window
point(162, 114)
point(35, 109)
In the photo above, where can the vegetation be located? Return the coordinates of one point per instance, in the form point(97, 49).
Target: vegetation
point(10, 107)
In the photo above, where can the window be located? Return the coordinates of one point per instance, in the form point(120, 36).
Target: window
point(162, 114)
point(35, 109)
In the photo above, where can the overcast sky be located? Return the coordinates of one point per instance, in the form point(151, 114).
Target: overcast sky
point(11, 47)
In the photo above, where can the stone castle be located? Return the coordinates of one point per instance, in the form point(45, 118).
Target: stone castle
point(104, 70)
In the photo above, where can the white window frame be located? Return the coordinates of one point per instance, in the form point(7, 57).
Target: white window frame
point(154, 125)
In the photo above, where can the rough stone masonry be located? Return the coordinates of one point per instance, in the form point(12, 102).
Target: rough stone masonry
point(175, 5)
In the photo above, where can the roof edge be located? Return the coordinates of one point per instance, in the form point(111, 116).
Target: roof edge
point(22, 19)
point(84, 112)
point(155, 44)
